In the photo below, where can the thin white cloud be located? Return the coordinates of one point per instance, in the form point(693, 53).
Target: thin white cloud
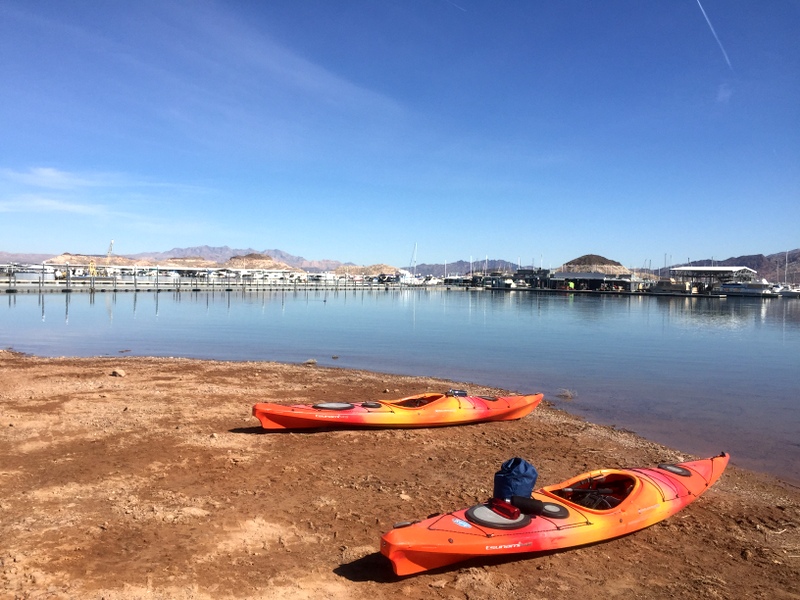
point(239, 46)
point(34, 204)
point(224, 81)
point(47, 177)
point(215, 79)
point(95, 214)
point(65, 181)
point(93, 200)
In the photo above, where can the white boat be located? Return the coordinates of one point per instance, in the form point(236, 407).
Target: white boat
point(494, 282)
point(788, 291)
point(762, 289)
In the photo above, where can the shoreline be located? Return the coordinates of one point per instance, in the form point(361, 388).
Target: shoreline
point(698, 413)
point(158, 482)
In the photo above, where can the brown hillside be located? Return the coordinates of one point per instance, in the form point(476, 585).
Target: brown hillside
point(100, 260)
point(594, 263)
point(190, 262)
point(256, 261)
point(250, 261)
point(368, 271)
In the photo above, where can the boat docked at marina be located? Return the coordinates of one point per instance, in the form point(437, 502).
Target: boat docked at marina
point(763, 288)
point(671, 287)
point(789, 291)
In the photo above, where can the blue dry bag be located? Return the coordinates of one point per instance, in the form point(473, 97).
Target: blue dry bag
point(516, 477)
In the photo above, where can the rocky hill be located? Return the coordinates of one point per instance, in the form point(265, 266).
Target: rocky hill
point(594, 263)
point(249, 261)
point(254, 260)
point(368, 271)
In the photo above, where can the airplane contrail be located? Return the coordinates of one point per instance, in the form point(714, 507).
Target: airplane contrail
point(716, 37)
point(456, 5)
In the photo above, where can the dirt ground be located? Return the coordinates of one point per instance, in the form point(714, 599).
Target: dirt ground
point(156, 482)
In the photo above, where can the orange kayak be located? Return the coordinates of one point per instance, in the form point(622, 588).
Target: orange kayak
point(592, 507)
point(423, 410)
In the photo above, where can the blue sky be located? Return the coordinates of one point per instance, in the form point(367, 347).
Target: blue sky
point(538, 131)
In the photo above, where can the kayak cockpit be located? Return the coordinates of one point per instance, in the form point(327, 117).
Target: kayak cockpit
point(601, 492)
point(417, 401)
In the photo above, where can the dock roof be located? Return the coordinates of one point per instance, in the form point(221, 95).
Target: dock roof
point(720, 273)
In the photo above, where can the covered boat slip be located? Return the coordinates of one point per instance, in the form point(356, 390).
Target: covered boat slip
point(717, 281)
point(713, 280)
point(591, 281)
point(703, 281)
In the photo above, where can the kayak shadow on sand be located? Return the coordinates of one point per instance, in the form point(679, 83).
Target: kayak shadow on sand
point(372, 567)
point(377, 568)
point(258, 430)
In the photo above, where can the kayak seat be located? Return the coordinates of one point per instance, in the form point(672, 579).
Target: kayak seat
point(596, 499)
point(600, 495)
point(415, 402)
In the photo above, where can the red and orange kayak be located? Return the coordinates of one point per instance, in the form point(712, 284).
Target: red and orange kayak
point(423, 410)
point(592, 507)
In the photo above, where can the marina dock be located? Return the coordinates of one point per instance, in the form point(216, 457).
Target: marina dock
point(49, 279)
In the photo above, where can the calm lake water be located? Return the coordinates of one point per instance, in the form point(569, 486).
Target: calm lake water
point(698, 374)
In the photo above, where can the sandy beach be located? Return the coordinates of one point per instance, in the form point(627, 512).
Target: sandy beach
point(130, 477)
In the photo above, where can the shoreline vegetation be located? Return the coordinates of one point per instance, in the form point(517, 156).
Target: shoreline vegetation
point(136, 477)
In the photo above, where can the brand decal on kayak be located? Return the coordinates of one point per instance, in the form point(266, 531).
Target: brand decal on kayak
point(509, 546)
point(462, 523)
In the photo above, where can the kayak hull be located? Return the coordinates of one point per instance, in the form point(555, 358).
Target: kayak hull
point(423, 410)
point(633, 499)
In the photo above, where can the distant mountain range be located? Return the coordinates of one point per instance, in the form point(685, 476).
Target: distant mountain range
point(216, 254)
point(462, 267)
point(774, 267)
